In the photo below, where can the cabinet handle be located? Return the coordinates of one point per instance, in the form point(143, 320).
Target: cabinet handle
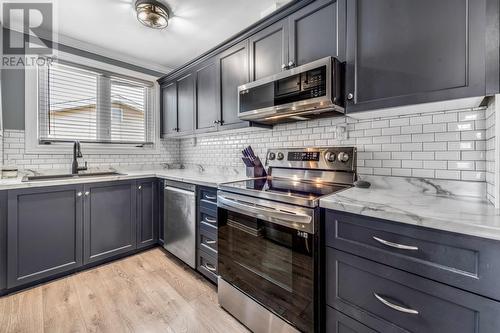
point(209, 220)
point(210, 197)
point(79, 194)
point(291, 63)
point(87, 193)
point(211, 242)
point(210, 267)
point(350, 96)
point(394, 306)
point(139, 187)
point(283, 67)
point(395, 245)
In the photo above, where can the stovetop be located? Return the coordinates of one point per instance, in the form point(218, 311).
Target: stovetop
point(300, 176)
point(303, 193)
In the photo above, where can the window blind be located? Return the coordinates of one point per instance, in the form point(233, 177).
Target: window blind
point(80, 103)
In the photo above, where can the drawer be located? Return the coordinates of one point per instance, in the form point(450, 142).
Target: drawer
point(470, 263)
point(208, 197)
point(207, 265)
point(337, 322)
point(208, 241)
point(208, 219)
point(390, 300)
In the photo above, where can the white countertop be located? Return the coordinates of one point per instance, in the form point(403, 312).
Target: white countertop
point(454, 206)
point(199, 177)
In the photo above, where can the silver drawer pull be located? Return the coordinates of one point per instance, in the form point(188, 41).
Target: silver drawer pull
point(209, 220)
point(394, 306)
point(210, 267)
point(395, 245)
point(211, 242)
point(209, 197)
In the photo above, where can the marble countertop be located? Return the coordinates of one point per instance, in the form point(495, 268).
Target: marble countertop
point(198, 176)
point(454, 206)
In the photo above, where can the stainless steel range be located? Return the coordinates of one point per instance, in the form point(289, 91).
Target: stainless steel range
point(268, 237)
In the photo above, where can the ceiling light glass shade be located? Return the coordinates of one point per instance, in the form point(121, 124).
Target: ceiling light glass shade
point(152, 13)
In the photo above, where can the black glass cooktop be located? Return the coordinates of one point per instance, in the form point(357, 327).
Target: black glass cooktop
point(283, 186)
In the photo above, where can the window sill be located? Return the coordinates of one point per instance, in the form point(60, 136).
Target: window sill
point(64, 148)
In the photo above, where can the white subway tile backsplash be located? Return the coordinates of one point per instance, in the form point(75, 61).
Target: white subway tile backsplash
point(447, 145)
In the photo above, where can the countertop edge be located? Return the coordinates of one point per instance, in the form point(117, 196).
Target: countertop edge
point(474, 230)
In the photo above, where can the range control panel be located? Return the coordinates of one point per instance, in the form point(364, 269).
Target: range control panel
point(324, 158)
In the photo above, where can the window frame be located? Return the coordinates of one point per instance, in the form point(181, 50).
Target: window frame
point(32, 143)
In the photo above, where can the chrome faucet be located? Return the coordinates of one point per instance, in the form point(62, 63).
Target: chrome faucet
point(76, 154)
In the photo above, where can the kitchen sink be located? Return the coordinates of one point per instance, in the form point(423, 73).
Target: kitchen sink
point(70, 176)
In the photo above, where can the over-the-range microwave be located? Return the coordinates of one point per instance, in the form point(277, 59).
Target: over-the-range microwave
point(296, 94)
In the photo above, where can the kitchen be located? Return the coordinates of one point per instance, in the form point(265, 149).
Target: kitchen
point(262, 166)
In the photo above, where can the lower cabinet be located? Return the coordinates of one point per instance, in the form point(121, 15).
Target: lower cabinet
point(110, 225)
point(49, 231)
point(207, 232)
point(3, 240)
point(44, 232)
point(337, 322)
point(370, 285)
point(147, 212)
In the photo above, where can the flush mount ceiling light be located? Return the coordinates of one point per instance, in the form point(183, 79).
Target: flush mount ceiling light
point(152, 13)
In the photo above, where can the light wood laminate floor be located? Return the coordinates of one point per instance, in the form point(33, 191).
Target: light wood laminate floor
point(148, 292)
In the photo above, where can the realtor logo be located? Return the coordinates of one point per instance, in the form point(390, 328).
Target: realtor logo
point(28, 38)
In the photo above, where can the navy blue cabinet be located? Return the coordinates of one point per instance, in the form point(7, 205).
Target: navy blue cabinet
point(207, 232)
point(402, 52)
point(384, 276)
point(109, 223)
point(46, 232)
point(45, 228)
point(317, 31)
point(391, 300)
point(147, 212)
point(3, 240)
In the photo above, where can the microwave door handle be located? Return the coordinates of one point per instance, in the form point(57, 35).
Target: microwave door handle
point(265, 213)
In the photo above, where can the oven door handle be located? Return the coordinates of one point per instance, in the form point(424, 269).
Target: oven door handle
point(265, 213)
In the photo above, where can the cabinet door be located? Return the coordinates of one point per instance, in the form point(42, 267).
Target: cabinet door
point(3, 240)
point(318, 31)
point(161, 212)
point(110, 224)
point(147, 213)
point(400, 52)
point(234, 72)
point(44, 232)
point(269, 50)
point(207, 97)
point(185, 103)
point(169, 109)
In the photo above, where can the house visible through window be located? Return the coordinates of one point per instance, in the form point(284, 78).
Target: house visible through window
point(79, 103)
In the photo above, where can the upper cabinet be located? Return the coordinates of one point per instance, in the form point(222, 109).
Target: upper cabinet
point(207, 97)
point(402, 52)
point(185, 103)
point(233, 71)
point(169, 108)
point(317, 31)
point(396, 53)
point(269, 50)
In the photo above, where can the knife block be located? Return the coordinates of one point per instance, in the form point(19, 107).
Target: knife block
point(256, 170)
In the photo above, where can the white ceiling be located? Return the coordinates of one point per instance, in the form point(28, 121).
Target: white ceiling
point(110, 27)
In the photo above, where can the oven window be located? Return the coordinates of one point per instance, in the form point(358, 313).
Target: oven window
point(272, 264)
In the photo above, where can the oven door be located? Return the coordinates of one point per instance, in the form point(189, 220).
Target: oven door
point(267, 251)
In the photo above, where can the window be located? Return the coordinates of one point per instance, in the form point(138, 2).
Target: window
point(91, 105)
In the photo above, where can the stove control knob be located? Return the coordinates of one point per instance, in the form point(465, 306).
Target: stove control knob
point(280, 156)
point(271, 156)
point(330, 157)
point(343, 157)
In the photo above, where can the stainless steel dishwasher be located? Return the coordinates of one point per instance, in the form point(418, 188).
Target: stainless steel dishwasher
point(180, 221)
